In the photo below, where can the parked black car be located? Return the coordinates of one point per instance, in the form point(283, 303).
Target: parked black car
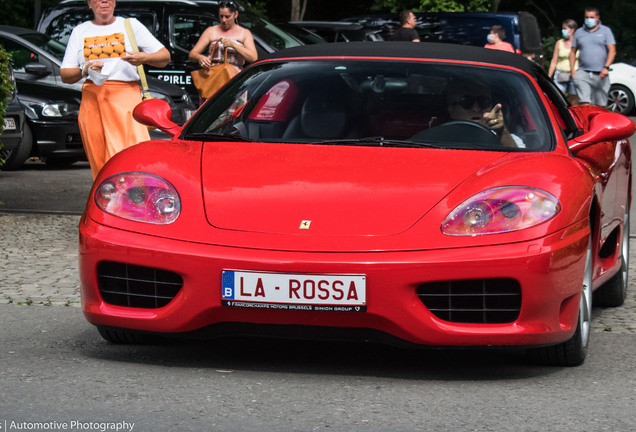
point(304, 36)
point(465, 28)
point(16, 141)
point(51, 106)
point(338, 31)
point(177, 24)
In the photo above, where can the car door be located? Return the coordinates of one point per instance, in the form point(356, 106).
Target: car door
point(605, 160)
point(23, 58)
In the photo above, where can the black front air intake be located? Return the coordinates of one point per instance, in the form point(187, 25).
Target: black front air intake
point(479, 301)
point(135, 286)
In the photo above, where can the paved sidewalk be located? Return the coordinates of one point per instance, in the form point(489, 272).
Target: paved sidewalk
point(38, 267)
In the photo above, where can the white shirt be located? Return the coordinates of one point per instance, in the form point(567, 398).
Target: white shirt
point(89, 42)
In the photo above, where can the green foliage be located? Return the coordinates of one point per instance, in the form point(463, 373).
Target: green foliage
point(258, 8)
point(5, 89)
point(21, 13)
point(394, 6)
point(454, 6)
point(548, 50)
point(431, 5)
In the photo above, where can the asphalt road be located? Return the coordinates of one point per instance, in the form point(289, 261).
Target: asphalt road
point(55, 367)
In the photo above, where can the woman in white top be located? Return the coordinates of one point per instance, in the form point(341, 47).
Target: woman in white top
point(100, 50)
point(229, 34)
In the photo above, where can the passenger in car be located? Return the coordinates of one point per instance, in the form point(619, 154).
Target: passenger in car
point(473, 102)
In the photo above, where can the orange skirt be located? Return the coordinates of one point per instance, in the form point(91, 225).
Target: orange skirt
point(106, 122)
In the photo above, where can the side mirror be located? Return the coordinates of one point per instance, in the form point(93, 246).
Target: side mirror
point(37, 69)
point(156, 113)
point(604, 127)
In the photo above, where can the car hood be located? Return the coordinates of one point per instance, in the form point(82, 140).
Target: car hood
point(330, 190)
point(49, 93)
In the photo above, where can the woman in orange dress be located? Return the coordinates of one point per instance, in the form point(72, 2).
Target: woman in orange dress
point(229, 34)
point(100, 51)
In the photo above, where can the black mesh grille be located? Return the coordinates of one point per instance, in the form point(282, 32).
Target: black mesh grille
point(485, 301)
point(135, 286)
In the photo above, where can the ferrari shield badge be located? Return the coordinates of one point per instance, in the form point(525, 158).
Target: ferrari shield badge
point(305, 224)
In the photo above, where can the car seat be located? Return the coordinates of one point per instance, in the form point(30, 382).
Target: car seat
point(323, 116)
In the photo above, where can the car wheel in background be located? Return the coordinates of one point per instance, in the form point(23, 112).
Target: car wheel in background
point(59, 162)
point(620, 99)
point(15, 158)
point(614, 291)
point(573, 351)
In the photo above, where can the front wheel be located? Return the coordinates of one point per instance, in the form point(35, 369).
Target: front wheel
point(573, 351)
point(15, 158)
point(620, 99)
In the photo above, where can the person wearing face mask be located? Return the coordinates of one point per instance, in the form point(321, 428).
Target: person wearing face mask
point(495, 39)
point(560, 65)
point(597, 48)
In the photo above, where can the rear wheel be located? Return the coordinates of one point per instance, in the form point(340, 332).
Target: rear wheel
point(15, 158)
point(614, 291)
point(573, 351)
point(620, 99)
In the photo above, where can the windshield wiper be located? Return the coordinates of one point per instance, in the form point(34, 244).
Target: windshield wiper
point(208, 136)
point(379, 141)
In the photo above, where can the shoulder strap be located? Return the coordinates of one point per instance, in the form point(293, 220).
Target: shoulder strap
point(142, 74)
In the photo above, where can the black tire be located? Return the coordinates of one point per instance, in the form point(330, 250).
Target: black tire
point(59, 162)
point(14, 159)
point(573, 351)
point(620, 99)
point(614, 291)
point(121, 337)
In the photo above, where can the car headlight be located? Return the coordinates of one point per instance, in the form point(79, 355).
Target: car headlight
point(501, 210)
point(36, 110)
point(140, 197)
point(161, 96)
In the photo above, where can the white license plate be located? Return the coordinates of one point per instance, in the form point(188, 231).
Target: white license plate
point(314, 292)
point(9, 124)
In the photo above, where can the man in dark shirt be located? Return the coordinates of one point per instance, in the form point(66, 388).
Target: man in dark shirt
point(407, 32)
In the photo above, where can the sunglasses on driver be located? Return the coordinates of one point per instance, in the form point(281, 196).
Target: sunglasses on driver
point(468, 101)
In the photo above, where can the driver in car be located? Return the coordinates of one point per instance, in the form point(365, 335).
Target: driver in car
point(473, 102)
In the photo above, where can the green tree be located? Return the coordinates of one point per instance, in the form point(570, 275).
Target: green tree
point(5, 89)
point(454, 6)
point(433, 5)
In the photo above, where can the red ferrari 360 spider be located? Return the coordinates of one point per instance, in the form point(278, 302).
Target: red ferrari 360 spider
point(422, 194)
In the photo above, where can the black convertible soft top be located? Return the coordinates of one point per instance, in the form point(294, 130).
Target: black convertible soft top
point(424, 50)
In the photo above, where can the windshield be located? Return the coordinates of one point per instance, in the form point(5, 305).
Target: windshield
point(268, 32)
point(46, 44)
point(377, 103)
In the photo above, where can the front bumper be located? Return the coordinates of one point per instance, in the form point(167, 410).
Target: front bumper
point(57, 139)
point(549, 271)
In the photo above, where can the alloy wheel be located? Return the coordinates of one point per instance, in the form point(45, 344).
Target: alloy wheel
point(618, 101)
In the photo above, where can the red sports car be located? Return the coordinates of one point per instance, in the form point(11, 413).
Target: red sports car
point(422, 194)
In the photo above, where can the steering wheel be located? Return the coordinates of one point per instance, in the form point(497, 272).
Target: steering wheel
point(482, 137)
point(467, 123)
